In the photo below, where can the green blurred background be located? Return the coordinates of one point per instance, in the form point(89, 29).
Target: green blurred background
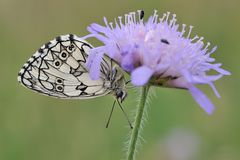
point(37, 127)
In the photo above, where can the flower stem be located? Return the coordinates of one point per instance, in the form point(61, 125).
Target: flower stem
point(137, 124)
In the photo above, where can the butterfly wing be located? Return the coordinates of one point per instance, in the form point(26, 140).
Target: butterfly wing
point(58, 69)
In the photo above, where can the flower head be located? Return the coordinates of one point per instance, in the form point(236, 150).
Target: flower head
point(157, 51)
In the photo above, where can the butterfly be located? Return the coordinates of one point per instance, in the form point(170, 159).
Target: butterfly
point(58, 69)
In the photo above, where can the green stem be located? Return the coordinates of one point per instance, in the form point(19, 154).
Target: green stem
point(137, 124)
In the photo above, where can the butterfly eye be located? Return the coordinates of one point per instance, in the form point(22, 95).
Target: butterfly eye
point(59, 88)
point(57, 63)
point(59, 81)
point(70, 48)
point(63, 55)
point(119, 94)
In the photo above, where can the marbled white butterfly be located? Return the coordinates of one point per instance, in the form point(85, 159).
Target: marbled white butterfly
point(58, 69)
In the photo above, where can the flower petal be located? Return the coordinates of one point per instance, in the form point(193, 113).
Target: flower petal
point(204, 79)
point(214, 89)
point(201, 99)
point(128, 62)
point(141, 75)
point(93, 64)
point(97, 27)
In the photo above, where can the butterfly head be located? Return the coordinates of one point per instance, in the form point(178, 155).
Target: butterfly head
point(121, 95)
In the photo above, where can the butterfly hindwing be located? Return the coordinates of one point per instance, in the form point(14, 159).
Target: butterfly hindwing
point(58, 69)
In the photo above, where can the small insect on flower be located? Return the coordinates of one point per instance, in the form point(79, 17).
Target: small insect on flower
point(58, 69)
point(141, 14)
point(157, 52)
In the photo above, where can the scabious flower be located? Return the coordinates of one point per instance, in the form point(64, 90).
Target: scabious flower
point(157, 52)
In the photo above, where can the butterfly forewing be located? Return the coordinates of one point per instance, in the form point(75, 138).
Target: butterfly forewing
point(58, 69)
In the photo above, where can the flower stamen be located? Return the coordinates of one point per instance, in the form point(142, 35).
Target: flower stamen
point(189, 32)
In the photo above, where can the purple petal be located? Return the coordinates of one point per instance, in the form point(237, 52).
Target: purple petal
point(141, 75)
point(223, 71)
point(102, 38)
point(217, 68)
point(98, 27)
point(214, 89)
point(88, 36)
point(128, 62)
point(91, 30)
point(201, 99)
point(205, 79)
point(93, 64)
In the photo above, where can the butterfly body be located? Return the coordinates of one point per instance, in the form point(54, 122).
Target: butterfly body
point(59, 69)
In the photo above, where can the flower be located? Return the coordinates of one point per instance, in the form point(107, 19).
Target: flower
point(157, 52)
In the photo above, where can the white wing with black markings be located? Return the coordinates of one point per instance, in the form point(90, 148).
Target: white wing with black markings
point(58, 69)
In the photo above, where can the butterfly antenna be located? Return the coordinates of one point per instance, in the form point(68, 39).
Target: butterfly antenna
point(127, 81)
point(131, 87)
point(128, 85)
point(125, 114)
point(109, 118)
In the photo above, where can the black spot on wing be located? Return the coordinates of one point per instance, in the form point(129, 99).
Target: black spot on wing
point(58, 39)
point(47, 45)
point(19, 73)
point(71, 37)
point(81, 87)
point(40, 50)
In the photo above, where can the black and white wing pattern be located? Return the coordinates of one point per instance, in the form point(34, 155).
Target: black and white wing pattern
point(58, 69)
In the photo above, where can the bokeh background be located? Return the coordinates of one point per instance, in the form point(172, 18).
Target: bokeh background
point(37, 127)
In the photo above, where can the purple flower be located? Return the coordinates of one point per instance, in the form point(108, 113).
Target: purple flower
point(158, 52)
